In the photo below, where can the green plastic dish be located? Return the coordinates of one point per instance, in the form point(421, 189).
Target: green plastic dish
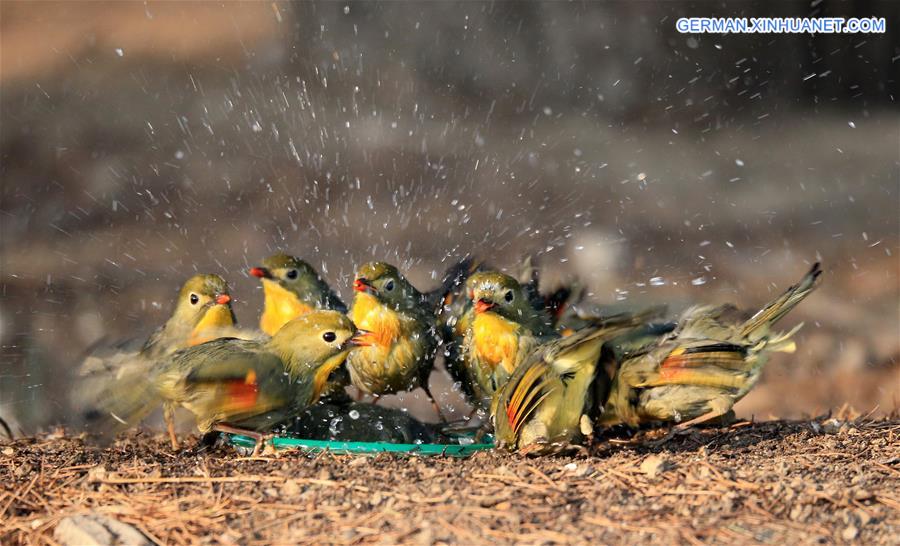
point(365, 448)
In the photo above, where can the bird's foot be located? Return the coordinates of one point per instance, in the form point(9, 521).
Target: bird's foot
point(262, 441)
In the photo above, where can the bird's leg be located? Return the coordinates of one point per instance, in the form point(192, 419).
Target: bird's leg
point(258, 437)
point(482, 431)
point(169, 416)
point(718, 407)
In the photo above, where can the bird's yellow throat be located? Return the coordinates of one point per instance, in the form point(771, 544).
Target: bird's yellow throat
point(321, 377)
point(281, 306)
point(383, 323)
point(495, 340)
point(210, 326)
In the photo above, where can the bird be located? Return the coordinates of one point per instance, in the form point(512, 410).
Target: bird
point(292, 288)
point(546, 403)
point(202, 312)
point(244, 386)
point(501, 325)
point(403, 334)
point(704, 366)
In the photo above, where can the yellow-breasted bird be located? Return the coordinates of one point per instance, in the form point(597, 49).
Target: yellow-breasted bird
point(292, 288)
point(700, 370)
point(402, 330)
point(500, 328)
point(202, 312)
point(242, 386)
point(547, 401)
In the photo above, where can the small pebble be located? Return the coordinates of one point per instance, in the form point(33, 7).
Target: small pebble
point(850, 533)
point(655, 465)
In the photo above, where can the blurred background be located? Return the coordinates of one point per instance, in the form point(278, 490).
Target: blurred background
point(143, 142)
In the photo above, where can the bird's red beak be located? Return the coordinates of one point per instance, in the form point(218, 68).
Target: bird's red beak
point(362, 285)
point(482, 305)
point(361, 339)
point(223, 299)
point(260, 272)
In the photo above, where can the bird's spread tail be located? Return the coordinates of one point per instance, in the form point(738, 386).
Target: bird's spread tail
point(115, 401)
point(772, 313)
point(529, 390)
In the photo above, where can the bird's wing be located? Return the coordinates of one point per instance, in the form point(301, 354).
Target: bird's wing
point(567, 355)
point(332, 300)
point(231, 377)
point(711, 363)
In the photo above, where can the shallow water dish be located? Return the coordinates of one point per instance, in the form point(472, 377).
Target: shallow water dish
point(364, 448)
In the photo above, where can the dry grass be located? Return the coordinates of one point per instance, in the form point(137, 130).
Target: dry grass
point(774, 483)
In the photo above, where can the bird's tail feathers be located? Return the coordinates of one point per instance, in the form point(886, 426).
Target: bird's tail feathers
point(782, 342)
point(775, 310)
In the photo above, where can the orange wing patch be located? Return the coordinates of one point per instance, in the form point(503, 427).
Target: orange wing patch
point(243, 395)
point(724, 355)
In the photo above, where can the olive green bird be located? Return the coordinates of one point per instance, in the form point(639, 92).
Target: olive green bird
point(403, 335)
point(701, 369)
point(241, 386)
point(500, 328)
point(546, 403)
point(292, 288)
point(202, 312)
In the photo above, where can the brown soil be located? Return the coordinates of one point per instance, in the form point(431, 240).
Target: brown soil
point(780, 482)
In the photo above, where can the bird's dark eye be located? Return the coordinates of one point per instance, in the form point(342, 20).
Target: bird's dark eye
point(509, 296)
point(389, 285)
point(291, 274)
point(329, 337)
point(194, 299)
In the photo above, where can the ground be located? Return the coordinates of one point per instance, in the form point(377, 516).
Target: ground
point(781, 482)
